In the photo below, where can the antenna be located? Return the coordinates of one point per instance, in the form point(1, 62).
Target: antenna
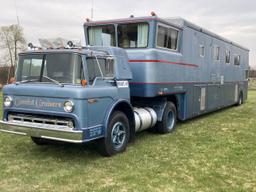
point(17, 17)
point(92, 9)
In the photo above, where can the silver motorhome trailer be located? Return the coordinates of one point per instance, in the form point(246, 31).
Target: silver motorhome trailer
point(174, 59)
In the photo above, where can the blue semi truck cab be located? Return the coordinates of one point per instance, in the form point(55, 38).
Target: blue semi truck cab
point(73, 95)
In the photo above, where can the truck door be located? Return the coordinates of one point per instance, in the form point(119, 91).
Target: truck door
point(102, 89)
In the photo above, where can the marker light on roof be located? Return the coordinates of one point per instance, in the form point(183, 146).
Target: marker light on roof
point(30, 45)
point(153, 13)
point(70, 44)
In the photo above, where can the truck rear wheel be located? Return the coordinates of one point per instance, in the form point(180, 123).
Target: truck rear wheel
point(118, 134)
point(169, 119)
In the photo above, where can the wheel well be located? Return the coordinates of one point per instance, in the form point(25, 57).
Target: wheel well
point(174, 100)
point(128, 111)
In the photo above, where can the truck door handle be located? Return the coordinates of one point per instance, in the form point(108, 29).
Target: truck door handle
point(92, 101)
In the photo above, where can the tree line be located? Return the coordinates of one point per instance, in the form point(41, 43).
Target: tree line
point(252, 73)
point(12, 41)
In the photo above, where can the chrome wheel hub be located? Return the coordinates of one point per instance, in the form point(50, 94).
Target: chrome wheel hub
point(118, 135)
point(170, 120)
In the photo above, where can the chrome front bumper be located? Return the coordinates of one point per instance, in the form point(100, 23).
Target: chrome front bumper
point(51, 132)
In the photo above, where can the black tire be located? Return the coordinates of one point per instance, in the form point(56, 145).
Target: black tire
point(240, 99)
point(169, 119)
point(39, 141)
point(117, 136)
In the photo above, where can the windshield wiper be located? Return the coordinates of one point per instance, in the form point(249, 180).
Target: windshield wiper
point(28, 81)
point(53, 80)
point(37, 80)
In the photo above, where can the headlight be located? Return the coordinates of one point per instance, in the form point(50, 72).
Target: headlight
point(68, 106)
point(7, 101)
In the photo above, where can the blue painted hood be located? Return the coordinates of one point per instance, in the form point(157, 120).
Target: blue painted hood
point(48, 99)
point(45, 90)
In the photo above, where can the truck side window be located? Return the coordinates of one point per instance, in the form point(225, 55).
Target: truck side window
point(167, 38)
point(31, 68)
point(107, 68)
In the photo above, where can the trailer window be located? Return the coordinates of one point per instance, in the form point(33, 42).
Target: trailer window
point(201, 51)
point(102, 35)
point(237, 60)
point(227, 58)
point(246, 74)
point(133, 35)
point(216, 53)
point(99, 67)
point(167, 38)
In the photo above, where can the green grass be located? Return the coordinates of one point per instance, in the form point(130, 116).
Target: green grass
point(252, 83)
point(215, 152)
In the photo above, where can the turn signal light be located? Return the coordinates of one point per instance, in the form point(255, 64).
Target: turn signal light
point(12, 80)
point(153, 13)
point(84, 82)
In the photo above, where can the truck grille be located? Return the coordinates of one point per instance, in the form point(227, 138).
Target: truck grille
point(45, 120)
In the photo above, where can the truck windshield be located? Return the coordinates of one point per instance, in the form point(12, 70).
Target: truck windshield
point(58, 67)
point(130, 35)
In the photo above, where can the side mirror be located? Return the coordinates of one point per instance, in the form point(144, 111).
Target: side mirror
point(110, 64)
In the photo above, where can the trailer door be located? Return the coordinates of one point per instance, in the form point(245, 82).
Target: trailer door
point(199, 105)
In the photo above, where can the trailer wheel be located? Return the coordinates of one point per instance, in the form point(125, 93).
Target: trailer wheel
point(169, 119)
point(118, 134)
point(39, 141)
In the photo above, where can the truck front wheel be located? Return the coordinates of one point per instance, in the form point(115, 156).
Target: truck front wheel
point(169, 119)
point(118, 134)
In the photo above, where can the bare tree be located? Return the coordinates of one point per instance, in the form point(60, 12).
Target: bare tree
point(12, 41)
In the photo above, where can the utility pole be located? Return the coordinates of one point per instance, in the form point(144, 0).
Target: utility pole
point(92, 9)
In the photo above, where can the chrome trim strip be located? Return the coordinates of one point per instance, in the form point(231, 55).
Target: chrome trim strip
point(37, 120)
point(60, 139)
point(95, 126)
point(40, 126)
point(13, 132)
point(52, 132)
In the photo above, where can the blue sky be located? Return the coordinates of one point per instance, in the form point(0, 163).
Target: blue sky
point(235, 20)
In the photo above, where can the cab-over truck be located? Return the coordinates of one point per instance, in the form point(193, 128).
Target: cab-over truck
point(138, 73)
